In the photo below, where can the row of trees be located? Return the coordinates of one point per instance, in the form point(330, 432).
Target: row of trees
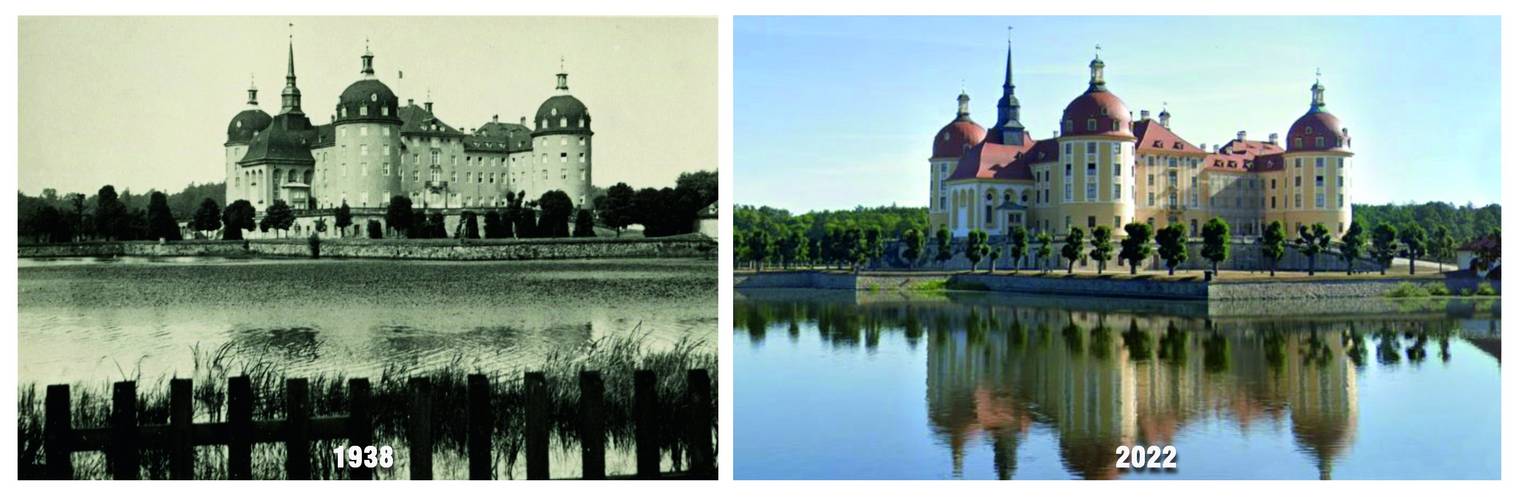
point(857, 248)
point(51, 217)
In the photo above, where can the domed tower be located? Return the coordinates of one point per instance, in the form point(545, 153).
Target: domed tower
point(1316, 174)
point(241, 130)
point(951, 142)
point(1095, 177)
point(365, 161)
point(561, 157)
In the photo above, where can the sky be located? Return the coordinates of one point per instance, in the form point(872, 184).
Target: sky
point(838, 112)
point(143, 103)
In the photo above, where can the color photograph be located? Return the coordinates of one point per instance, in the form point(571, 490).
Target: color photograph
point(1074, 247)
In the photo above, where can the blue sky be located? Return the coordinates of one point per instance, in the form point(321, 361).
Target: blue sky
point(838, 112)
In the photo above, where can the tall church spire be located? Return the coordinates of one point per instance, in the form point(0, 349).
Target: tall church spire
point(1008, 130)
point(290, 99)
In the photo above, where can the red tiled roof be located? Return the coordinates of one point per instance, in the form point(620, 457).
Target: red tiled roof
point(1156, 138)
point(956, 137)
point(989, 160)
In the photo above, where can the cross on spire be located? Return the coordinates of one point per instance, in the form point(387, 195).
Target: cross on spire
point(1316, 74)
point(1099, 50)
point(1009, 36)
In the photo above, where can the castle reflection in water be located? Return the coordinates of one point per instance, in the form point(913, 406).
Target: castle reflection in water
point(1103, 376)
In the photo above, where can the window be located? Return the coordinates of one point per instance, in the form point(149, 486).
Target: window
point(385, 169)
point(1091, 221)
point(1117, 190)
point(1318, 141)
point(386, 148)
point(1152, 199)
point(582, 157)
point(364, 130)
point(1297, 142)
point(363, 150)
point(1297, 163)
point(564, 157)
point(363, 169)
point(582, 140)
point(1068, 149)
point(384, 111)
point(1341, 202)
point(1091, 149)
point(1319, 163)
point(1091, 124)
point(363, 110)
point(1339, 181)
point(1318, 200)
point(1297, 181)
point(1297, 200)
point(1117, 221)
point(1318, 181)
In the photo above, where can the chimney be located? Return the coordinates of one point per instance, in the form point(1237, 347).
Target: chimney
point(1055, 133)
point(1203, 146)
point(1240, 135)
point(1272, 138)
point(495, 118)
point(1144, 114)
point(411, 102)
point(1345, 131)
point(522, 120)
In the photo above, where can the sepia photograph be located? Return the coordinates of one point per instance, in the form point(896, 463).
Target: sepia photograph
point(1106, 247)
point(367, 248)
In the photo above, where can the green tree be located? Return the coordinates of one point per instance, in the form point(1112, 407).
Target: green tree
point(1216, 241)
point(238, 217)
point(1044, 252)
point(1352, 246)
point(344, 218)
point(1075, 245)
point(1136, 246)
point(1017, 245)
point(942, 241)
point(976, 247)
point(279, 216)
point(584, 228)
point(1312, 241)
point(1102, 247)
point(991, 262)
point(758, 247)
point(1274, 244)
point(1172, 241)
point(1442, 246)
point(874, 246)
point(912, 246)
point(1414, 239)
point(616, 208)
point(398, 215)
point(207, 218)
point(856, 249)
point(1384, 245)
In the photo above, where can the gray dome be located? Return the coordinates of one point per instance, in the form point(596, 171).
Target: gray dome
point(245, 125)
point(367, 100)
point(562, 114)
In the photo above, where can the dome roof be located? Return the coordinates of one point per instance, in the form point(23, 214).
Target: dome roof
point(561, 114)
point(246, 125)
point(957, 137)
point(1318, 131)
point(1097, 112)
point(367, 100)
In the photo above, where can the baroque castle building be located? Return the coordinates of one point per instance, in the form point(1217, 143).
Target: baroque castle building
point(1103, 167)
point(375, 148)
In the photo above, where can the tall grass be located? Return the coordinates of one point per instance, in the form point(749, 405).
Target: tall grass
point(615, 357)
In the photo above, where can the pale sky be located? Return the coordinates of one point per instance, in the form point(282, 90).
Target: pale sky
point(143, 103)
point(835, 112)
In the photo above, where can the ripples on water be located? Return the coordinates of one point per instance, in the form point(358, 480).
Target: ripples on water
point(94, 320)
point(1001, 386)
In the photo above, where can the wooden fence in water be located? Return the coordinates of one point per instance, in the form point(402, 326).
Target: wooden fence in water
point(124, 440)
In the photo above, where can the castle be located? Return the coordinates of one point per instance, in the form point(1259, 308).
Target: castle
point(1105, 168)
point(375, 148)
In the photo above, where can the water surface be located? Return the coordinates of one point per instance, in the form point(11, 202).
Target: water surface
point(978, 385)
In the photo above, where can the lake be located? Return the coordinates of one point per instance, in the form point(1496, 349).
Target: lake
point(96, 320)
point(839, 385)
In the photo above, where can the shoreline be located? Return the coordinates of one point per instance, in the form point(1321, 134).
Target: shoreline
point(1111, 285)
point(684, 246)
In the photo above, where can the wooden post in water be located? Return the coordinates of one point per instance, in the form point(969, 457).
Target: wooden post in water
point(645, 424)
point(181, 430)
point(420, 433)
point(479, 427)
point(297, 429)
point(56, 430)
point(699, 422)
point(239, 428)
point(537, 425)
point(122, 453)
point(593, 448)
point(360, 424)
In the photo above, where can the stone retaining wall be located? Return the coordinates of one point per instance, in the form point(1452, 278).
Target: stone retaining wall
point(570, 248)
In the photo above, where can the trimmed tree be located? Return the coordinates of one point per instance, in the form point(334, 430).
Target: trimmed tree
point(1274, 244)
point(1102, 247)
point(1216, 242)
point(1044, 251)
point(110, 214)
point(584, 228)
point(279, 216)
point(398, 215)
point(976, 247)
point(470, 225)
point(1442, 246)
point(375, 229)
point(1312, 241)
point(1136, 245)
point(1017, 245)
point(161, 223)
point(1352, 246)
point(912, 246)
point(942, 242)
point(1414, 240)
point(344, 218)
point(492, 225)
point(1075, 245)
point(1384, 245)
point(1172, 241)
point(207, 218)
point(616, 208)
point(991, 263)
point(238, 217)
point(554, 218)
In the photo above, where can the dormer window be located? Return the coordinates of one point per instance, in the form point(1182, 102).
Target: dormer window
point(1297, 142)
point(553, 111)
point(1318, 141)
point(384, 111)
point(363, 110)
point(1091, 124)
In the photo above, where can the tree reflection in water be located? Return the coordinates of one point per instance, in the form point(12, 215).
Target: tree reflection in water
point(1117, 374)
